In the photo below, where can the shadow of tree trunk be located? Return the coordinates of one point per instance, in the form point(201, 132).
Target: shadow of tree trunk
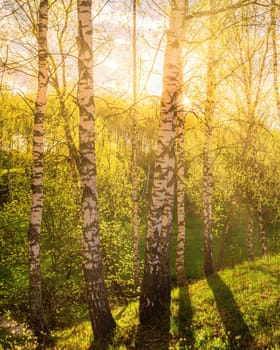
point(154, 335)
point(185, 319)
point(236, 328)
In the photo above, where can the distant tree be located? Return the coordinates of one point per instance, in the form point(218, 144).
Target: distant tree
point(273, 25)
point(224, 236)
point(99, 310)
point(248, 83)
point(180, 176)
point(155, 287)
point(60, 82)
point(250, 232)
point(210, 105)
point(262, 229)
point(37, 316)
point(134, 155)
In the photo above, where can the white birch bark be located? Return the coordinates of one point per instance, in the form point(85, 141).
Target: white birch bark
point(38, 319)
point(250, 232)
point(99, 310)
point(207, 152)
point(273, 29)
point(262, 230)
point(180, 176)
point(134, 171)
point(150, 298)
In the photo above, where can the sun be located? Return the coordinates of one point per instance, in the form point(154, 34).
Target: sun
point(111, 64)
point(187, 101)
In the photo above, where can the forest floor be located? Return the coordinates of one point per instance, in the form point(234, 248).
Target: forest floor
point(238, 308)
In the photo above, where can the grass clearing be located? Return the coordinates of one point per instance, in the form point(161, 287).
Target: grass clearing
point(238, 308)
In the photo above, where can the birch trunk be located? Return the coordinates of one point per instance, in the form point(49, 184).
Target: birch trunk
point(273, 29)
point(167, 217)
point(150, 298)
point(250, 231)
point(224, 237)
point(134, 157)
point(99, 310)
point(180, 161)
point(262, 230)
point(37, 317)
point(207, 203)
point(207, 159)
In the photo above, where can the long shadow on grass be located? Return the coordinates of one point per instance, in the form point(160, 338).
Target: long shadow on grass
point(155, 335)
point(237, 330)
point(184, 319)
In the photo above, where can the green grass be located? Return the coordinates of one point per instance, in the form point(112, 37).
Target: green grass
point(235, 248)
point(237, 309)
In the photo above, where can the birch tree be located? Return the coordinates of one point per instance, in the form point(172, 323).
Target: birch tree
point(250, 233)
point(161, 206)
point(37, 316)
point(59, 73)
point(180, 158)
point(207, 158)
point(262, 229)
point(253, 53)
point(134, 154)
point(275, 67)
point(99, 310)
